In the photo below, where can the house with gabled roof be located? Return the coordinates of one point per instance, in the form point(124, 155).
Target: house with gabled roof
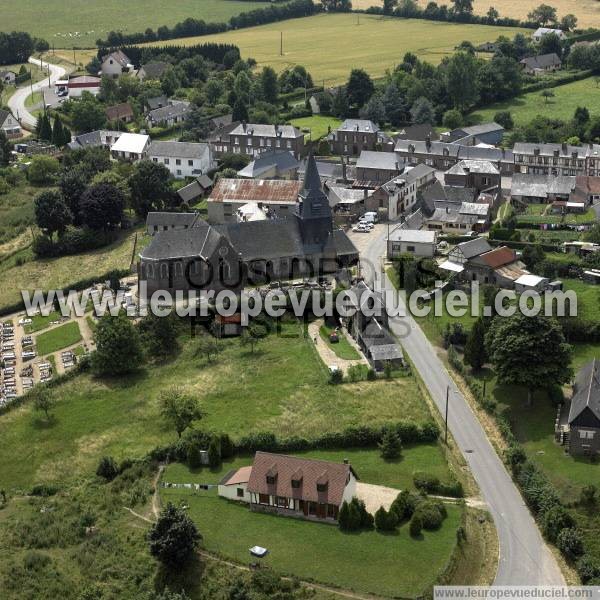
point(354, 136)
point(183, 159)
point(114, 64)
point(152, 70)
point(543, 63)
point(175, 112)
point(540, 32)
point(9, 124)
point(292, 486)
point(120, 112)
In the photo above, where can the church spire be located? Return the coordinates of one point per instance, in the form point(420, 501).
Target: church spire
point(313, 201)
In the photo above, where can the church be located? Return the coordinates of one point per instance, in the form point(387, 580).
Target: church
point(206, 257)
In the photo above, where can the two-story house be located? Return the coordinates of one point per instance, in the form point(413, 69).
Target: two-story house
point(114, 64)
point(130, 147)
point(252, 139)
point(550, 159)
point(9, 125)
point(183, 159)
point(354, 136)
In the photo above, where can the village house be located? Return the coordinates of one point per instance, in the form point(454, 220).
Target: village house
point(192, 192)
point(400, 194)
point(104, 138)
point(130, 147)
point(543, 63)
point(418, 131)
point(9, 125)
point(556, 159)
point(410, 241)
point(227, 256)
point(578, 426)
point(350, 203)
point(166, 221)
point(168, 116)
point(279, 196)
point(271, 165)
point(155, 102)
point(355, 135)
point(587, 190)
point(114, 64)
point(291, 486)
point(253, 139)
point(541, 189)
point(460, 218)
point(480, 175)
point(152, 70)
point(7, 77)
point(465, 251)
point(83, 83)
point(120, 112)
point(183, 159)
point(540, 32)
point(485, 133)
point(377, 167)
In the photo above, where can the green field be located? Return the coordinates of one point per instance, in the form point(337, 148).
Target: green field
point(528, 106)
point(537, 214)
point(343, 349)
point(58, 338)
point(317, 125)
point(283, 387)
point(329, 46)
point(390, 565)
point(74, 23)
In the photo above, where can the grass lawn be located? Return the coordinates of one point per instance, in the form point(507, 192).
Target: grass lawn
point(343, 349)
point(540, 213)
point(16, 214)
point(283, 387)
point(367, 463)
point(390, 565)
point(58, 273)
point(587, 11)
point(528, 106)
point(39, 322)
point(550, 237)
point(73, 23)
point(588, 298)
point(58, 338)
point(328, 44)
point(317, 124)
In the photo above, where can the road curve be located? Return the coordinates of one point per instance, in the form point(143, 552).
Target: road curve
point(524, 557)
point(16, 102)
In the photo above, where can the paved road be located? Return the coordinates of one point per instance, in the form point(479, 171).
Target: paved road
point(524, 557)
point(16, 102)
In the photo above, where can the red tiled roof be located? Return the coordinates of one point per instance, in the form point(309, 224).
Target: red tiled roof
point(240, 476)
point(255, 190)
point(499, 257)
point(119, 111)
point(309, 472)
point(590, 185)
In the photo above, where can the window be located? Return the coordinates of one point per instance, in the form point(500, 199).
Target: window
point(296, 483)
point(240, 492)
point(263, 498)
point(270, 479)
point(177, 161)
point(166, 161)
point(321, 487)
point(190, 163)
point(155, 160)
point(586, 435)
point(410, 248)
point(281, 501)
point(178, 171)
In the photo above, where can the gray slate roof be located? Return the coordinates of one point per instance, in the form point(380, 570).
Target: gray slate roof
point(543, 61)
point(369, 159)
point(201, 240)
point(178, 149)
point(283, 161)
point(157, 102)
point(477, 129)
point(264, 130)
point(473, 166)
point(165, 113)
point(586, 391)
point(155, 69)
point(474, 248)
point(360, 125)
point(540, 186)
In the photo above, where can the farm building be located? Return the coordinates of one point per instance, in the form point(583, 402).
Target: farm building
point(410, 241)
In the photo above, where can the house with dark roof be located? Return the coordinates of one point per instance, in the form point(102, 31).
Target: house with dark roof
point(156, 102)
point(583, 418)
point(356, 135)
point(541, 189)
point(152, 70)
point(230, 255)
point(101, 137)
point(465, 251)
point(418, 131)
point(377, 167)
point(271, 165)
point(292, 486)
point(557, 159)
point(480, 175)
point(7, 77)
point(120, 112)
point(543, 63)
point(168, 116)
point(192, 192)
point(9, 124)
point(114, 64)
point(183, 159)
point(484, 133)
point(254, 139)
point(165, 221)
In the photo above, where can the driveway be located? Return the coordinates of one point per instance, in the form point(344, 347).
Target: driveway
point(16, 103)
point(524, 557)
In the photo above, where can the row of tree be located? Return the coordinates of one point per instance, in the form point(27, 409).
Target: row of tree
point(17, 46)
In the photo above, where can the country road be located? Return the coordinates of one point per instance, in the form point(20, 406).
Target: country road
point(16, 102)
point(524, 557)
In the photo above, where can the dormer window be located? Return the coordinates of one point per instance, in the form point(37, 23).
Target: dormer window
point(271, 479)
point(321, 487)
point(296, 483)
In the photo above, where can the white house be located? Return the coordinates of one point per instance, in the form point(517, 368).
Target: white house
point(540, 32)
point(131, 147)
point(529, 282)
point(115, 63)
point(234, 486)
point(418, 242)
point(83, 83)
point(7, 77)
point(183, 159)
point(9, 125)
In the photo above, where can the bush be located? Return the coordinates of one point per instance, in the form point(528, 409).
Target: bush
point(194, 458)
point(505, 119)
point(404, 505)
point(107, 468)
point(227, 446)
point(570, 543)
point(390, 446)
point(416, 525)
point(587, 568)
point(336, 377)
point(431, 514)
point(44, 490)
point(426, 482)
point(214, 453)
point(384, 520)
point(554, 521)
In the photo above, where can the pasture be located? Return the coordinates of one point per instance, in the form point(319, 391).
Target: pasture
point(72, 23)
point(58, 338)
point(330, 45)
point(528, 106)
point(587, 11)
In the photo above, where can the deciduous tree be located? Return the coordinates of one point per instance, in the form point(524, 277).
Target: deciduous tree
point(179, 408)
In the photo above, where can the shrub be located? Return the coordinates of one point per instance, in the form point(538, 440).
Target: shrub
point(587, 568)
point(336, 377)
point(587, 496)
point(384, 520)
point(554, 521)
point(34, 561)
point(570, 543)
point(194, 458)
point(426, 482)
point(431, 514)
point(214, 453)
point(227, 446)
point(107, 468)
point(505, 119)
point(390, 446)
point(416, 525)
point(44, 490)
point(371, 375)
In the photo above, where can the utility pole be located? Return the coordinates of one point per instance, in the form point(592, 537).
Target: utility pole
point(74, 60)
point(281, 43)
point(446, 418)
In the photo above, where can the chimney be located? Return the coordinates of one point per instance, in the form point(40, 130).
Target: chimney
point(366, 193)
point(244, 125)
point(447, 209)
point(428, 142)
point(564, 147)
point(343, 169)
point(397, 166)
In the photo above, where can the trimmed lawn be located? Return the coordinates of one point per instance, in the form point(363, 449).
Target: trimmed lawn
point(283, 387)
point(367, 463)
point(550, 237)
point(317, 124)
point(343, 349)
point(39, 322)
point(588, 298)
point(536, 214)
point(58, 338)
point(528, 106)
point(330, 45)
point(391, 565)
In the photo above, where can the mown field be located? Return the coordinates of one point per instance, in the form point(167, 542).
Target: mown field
point(329, 46)
point(587, 11)
point(74, 23)
point(528, 106)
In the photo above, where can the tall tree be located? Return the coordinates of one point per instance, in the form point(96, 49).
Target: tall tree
point(102, 206)
point(43, 400)
point(543, 15)
point(88, 113)
point(268, 81)
point(72, 184)
point(475, 351)
point(529, 351)
point(374, 110)
point(51, 212)
point(422, 111)
point(5, 149)
point(359, 87)
point(394, 104)
point(179, 408)
point(463, 7)
point(461, 82)
point(150, 187)
point(240, 110)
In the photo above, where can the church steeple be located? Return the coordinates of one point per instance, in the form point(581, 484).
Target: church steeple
point(313, 203)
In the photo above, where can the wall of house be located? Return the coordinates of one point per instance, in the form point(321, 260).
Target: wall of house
point(416, 248)
point(231, 492)
point(181, 168)
point(353, 142)
point(350, 489)
point(580, 442)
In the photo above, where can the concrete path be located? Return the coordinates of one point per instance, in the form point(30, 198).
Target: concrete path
point(524, 557)
point(16, 103)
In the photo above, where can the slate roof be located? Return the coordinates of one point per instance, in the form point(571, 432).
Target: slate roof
point(360, 125)
point(119, 111)
point(154, 70)
point(540, 186)
point(255, 190)
point(476, 130)
point(178, 149)
point(3, 115)
point(561, 150)
point(119, 57)
point(157, 102)
point(201, 240)
point(454, 150)
point(474, 208)
point(308, 471)
point(542, 61)
point(282, 161)
point(370, 159)
point(473, 166)
point(418, 132)
point(474, 247)
point(179, 109)
point(374, 336)
point(586, 391)
point(93, 138)
point(195, 189)
point(264, 130)
point(420, 236)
